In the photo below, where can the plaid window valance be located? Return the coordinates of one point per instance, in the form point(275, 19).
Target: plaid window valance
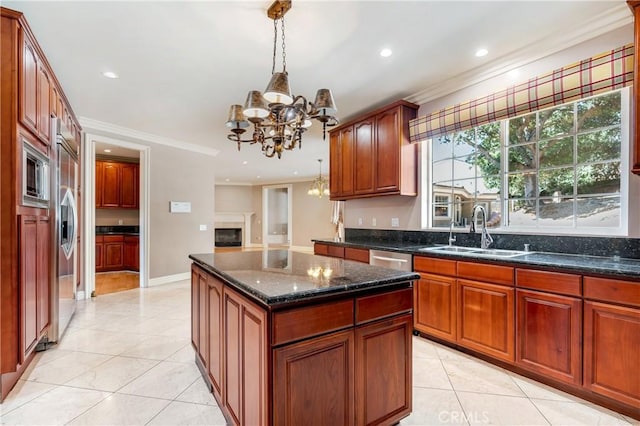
point(607, 71)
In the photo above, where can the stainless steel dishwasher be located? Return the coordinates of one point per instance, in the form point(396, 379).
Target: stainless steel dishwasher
point(391, 259)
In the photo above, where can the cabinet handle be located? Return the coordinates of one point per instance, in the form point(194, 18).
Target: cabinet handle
point(390, 259)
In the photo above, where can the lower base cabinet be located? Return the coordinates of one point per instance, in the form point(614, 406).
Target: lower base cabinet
point(612, 351)
point(436, 297)
point(353, 367)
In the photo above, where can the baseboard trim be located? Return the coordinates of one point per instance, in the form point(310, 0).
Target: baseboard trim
point(169, 279)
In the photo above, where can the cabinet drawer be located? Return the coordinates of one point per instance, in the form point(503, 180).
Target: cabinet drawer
point(611, 290)
point(321, 249)
point(484, 272)
point(359, 255)
point(131, 239)
point(369, 308)
point(434, 266)
point(99, 238)
point(554, 282)
point(113, 238)
point(335, 251)
point(295, 324)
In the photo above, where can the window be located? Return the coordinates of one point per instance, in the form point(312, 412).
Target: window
point(553, 169)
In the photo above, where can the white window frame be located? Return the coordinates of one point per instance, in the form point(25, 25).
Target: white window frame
point(625, 191)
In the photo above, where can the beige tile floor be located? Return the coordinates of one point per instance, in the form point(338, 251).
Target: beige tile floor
point(126, 360)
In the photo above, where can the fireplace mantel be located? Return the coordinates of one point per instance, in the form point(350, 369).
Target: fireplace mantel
point(238, 217)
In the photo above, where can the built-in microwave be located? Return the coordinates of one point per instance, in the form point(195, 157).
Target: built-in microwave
point(35, 177)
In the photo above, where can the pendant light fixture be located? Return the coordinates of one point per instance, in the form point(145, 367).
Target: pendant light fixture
point(279, 118)
point(320, 185)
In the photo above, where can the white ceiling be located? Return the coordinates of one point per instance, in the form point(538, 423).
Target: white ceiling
point(181, 64)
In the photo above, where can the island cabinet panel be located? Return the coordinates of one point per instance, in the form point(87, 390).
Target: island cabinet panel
point(549, 335)
point(195, 308)
point(611, 348)
point(436, 306)
point(486, 318)
point(215, 308)
point(328, 250)
point(313, 381)
point(203, 321)
point(383, 371)
point(245, 374)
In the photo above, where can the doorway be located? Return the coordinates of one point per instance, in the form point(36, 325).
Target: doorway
point(116, 235)
point(276, 216)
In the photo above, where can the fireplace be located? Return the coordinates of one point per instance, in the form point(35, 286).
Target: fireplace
point(228, 237)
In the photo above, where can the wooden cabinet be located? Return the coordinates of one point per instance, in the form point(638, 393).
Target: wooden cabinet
point(383, 371)
point(549, 324)
point(372, 155)
point(345, 361)
point(348, 253)
point(612, 339)
point(485, 321)
point(635, 8)
point(314, 379)
point(44, 104)
point(549, 335)
point(245, 354)
point(34, 281)
point(117, 185)
point(117, 253)
point(341, 161)
point(436, 306)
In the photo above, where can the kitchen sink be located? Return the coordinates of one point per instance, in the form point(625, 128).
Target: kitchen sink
point(476, 251)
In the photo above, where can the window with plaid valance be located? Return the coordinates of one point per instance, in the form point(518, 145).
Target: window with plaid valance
point(607, 71)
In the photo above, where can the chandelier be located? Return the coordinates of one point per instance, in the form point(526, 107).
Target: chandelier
point(320, 185)
point(279, 118)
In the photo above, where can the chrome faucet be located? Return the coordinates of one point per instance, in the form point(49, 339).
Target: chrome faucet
point(485, 239)
point(452, 239)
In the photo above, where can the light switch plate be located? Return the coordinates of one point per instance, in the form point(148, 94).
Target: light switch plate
point(395, 222)
point(203, 227)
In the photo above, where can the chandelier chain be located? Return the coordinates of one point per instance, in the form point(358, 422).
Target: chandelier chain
point(275, 38)
point(284, 51)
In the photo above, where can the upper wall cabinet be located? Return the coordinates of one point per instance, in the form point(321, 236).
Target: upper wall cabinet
point(372, 156)
point(635, 8)
point(117, 185)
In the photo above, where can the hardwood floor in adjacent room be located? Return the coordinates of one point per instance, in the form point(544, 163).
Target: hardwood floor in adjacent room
point(112, 282)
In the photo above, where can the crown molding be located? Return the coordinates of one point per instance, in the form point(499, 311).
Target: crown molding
point(613, 19)
point(89, 124)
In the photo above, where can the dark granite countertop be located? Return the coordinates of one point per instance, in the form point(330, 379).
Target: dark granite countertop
point(118, 230)
point(276, 277)
point(614, 266)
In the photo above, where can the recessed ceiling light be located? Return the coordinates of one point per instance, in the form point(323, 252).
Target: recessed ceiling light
point(244, 162)
point(385, 53)
point(107, 150)
point(258, 177)
point(295, 173)
point(227, 180)
point(110, 74)
point(481, 52)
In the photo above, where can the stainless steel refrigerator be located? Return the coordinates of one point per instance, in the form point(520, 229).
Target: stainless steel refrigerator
point(65, 248)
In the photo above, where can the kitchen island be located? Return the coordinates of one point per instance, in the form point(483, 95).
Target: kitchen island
point(287, 338)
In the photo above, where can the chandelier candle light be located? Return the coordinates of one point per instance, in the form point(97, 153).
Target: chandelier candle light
point(320, 185)
point(279, 118)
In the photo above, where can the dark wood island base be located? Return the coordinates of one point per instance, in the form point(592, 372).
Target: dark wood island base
point(323, 350)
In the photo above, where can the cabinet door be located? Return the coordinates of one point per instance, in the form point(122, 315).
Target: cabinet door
point(99, 256)
point(113, 255)
point(245, 374)
point(44, 104)
point(131, 253)
point(203, 318)
point(383, 383)
point(129, 186)
point(341, 172)
point(43, 249)
point(486, 318)
point(548, 335)
point(29, 85)
point(195, 308)
point(611, 348)
point(364, 157)
point(28, 285)
point(387, 174)
point(99, 182)
point(435, 306)
point(111, 181)
point(314, 379)
point(215, 336)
